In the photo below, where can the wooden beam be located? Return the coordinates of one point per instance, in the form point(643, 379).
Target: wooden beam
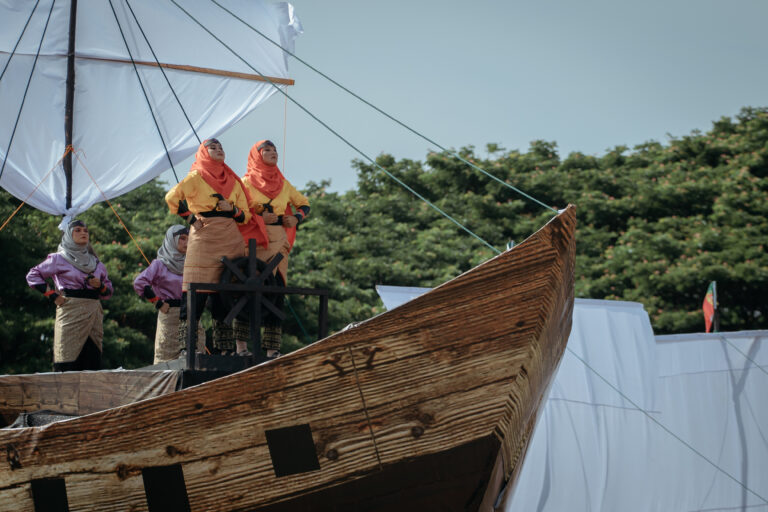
point(195, 69)
point(69, 102)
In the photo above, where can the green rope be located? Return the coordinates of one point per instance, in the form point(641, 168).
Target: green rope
point(310, 114)
point(667, 430)
point(415, 132)
point(742, 353)
point(307, 337)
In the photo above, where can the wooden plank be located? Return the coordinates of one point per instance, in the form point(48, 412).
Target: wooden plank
point(197, 69)
point(16, 499)
point(209, 431)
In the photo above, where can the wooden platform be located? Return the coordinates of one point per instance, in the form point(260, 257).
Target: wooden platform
point(426, 407)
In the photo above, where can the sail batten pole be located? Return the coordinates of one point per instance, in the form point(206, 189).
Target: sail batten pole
point(70, 100)
point(197, 69)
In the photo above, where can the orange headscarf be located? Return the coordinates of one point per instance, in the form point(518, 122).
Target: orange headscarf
point(222, 179)
point(218, 175)
point(266, 178)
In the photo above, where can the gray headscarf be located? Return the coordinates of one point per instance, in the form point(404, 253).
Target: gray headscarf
point(81, 256)
point(169, 252)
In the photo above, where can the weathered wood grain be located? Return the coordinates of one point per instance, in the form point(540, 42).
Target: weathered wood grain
point(414, 391)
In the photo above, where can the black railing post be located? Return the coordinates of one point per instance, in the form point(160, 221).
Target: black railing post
point(191, 325)
point(254, 315)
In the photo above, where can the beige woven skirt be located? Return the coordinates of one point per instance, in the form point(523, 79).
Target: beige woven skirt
point(218, 237)
point(167, 343)
point(76, 320)
point(278, 243)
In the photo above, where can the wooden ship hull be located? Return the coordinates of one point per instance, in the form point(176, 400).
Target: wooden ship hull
point(428, 406)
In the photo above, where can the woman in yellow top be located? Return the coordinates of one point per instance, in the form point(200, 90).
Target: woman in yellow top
point(212, 198)
point(274, 198)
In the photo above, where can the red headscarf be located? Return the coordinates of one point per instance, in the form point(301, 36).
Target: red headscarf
point(217, 174)
point(266, 178)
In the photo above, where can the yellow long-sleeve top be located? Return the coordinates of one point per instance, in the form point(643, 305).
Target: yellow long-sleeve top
point(288, 195)
point(200, 197)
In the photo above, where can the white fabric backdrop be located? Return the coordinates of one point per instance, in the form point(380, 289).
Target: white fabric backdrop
point(113, 126)
point(593, 451)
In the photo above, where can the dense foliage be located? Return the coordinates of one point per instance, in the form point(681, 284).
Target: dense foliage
point(656, 224)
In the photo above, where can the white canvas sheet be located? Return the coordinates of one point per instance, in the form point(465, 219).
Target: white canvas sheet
point(118, 145)
point(591, 453)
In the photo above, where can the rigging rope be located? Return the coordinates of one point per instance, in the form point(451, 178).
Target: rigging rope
point(337, 134)
point(13, 52)
point(138, 77)
point(66, 152)
point(110, 205)
point(26, 89)
point(363, 100)
point(743, 354)
point(164, 75)
point(667, 430)
point(307, 337)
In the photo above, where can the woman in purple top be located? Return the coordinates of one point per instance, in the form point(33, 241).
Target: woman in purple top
point(160, 283)
point(79, 280)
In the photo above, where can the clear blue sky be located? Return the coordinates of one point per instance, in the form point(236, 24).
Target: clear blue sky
point(588, 75)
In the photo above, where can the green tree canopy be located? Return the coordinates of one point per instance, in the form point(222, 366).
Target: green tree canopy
point(656, 223)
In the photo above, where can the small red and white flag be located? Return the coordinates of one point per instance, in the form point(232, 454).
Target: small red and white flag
point(709, 306)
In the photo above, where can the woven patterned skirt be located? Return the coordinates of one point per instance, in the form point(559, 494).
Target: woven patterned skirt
point(218, 237)
point(167, 343)
point(278, 243)
point(76, 321)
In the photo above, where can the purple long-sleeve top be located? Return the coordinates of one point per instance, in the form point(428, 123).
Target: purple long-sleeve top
point(165, 284)
point(66, 276)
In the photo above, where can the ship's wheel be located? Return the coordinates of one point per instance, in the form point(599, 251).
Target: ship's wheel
point(250, 306)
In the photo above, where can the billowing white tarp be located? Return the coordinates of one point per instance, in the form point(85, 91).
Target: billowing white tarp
point(594, 450)
point(114, 131)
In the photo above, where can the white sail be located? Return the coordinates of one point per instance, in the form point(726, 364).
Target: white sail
point(114, 133)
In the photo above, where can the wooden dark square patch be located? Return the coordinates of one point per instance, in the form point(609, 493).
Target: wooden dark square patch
point(292, 450)
point(50, 495)
point(165, 489)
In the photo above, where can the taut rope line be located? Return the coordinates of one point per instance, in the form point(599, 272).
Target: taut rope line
point(26, 89)
point(69, 148)
point(667, 430)
point(377, 109)
point(337, 134)
point(144, 91)
point(178, 101)
point(112, 207)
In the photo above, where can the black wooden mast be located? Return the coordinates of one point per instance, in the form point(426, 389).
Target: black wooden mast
point(70, 100)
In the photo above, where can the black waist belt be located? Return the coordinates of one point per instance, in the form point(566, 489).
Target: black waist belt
point(279, 221)
point(174, 303)
point(81, 294)
point(215, 213)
